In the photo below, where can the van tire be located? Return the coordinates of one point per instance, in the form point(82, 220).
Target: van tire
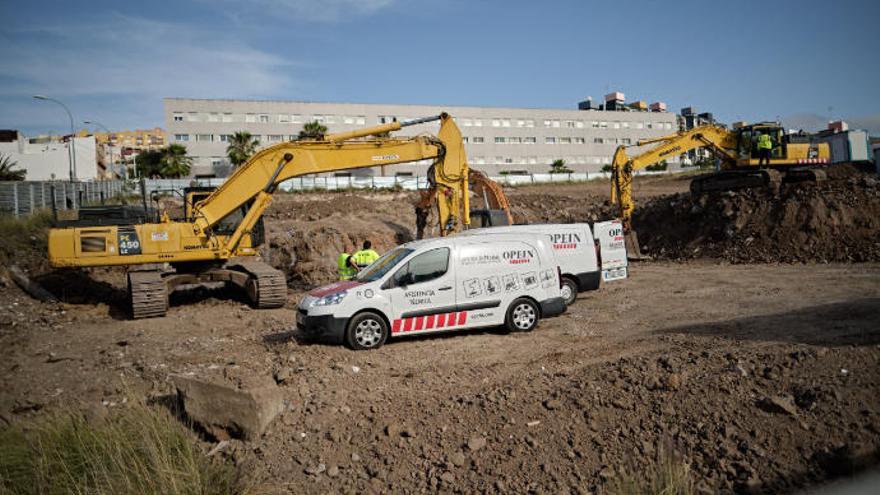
point(522, 315)
point(569, 291)
point(366, 331)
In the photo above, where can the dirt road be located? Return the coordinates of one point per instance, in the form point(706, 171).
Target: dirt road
point(761, 378)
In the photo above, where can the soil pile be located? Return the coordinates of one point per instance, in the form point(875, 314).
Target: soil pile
point(835, 220)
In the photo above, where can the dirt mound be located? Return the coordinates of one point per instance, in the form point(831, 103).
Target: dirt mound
point(835, 220)
point(546, 208)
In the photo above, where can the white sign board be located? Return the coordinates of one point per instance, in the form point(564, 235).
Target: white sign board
point(612, 249)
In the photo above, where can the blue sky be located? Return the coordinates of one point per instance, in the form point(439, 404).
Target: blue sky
point(801, 61)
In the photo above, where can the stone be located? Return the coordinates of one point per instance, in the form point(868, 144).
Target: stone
point(225, 411)
point(457, 459)
point(448, 477)
point(355, 457)
point(778, 404)
point(476, 443)
point(553, 404)
point(333, 471)
point(316, 469)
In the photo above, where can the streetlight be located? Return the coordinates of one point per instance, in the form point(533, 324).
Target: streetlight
point(109, 143)
point(72, 154)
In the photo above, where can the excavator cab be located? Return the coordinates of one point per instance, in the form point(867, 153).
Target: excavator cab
point(488, 218)
point(192, 195)
point(747, 141)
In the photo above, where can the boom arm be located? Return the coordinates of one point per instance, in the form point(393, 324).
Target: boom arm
point(258, 178)
point(718, 139)
point(492, 194)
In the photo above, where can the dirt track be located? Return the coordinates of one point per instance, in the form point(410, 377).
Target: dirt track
point(695, 356)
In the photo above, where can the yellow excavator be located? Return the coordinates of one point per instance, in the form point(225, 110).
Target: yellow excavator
point(221, 231)
point(793, 157)
point(495, 211)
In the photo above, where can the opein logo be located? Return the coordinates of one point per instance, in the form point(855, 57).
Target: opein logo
point(518, 256)
point(565, 241)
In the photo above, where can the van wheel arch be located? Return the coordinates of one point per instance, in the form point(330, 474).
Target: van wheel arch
point(574, 285)
point(372, 333)
point(510, 313)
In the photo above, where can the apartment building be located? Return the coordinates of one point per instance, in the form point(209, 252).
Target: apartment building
point(498, 140)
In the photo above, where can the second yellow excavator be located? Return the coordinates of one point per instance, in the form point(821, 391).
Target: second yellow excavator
point(792, 157)
point(495, 211)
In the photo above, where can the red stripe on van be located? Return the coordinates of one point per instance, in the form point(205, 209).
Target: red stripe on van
point(419, 321)
point(429, 322)
point(396, 327)
point(445, 318)
point(462, 317)
point(407, 324)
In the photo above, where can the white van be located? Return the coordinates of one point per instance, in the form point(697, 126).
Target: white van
point(577, 251)
point(439, 285)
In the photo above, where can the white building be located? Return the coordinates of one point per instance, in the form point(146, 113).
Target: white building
point(50, 159)
point(498, 140)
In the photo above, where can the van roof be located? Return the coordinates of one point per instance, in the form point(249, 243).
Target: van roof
point(473, 239)
point(502, 229)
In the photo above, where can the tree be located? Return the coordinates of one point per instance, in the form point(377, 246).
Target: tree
point(175, 163)
point(313, 130)
point(558, 167)
point(6, 169)
point(241, 148)
point(657, 167)
point(168, 162)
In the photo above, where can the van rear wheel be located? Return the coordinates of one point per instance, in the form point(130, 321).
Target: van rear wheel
point(366, 331)
point(569, 291)
point(522, 316)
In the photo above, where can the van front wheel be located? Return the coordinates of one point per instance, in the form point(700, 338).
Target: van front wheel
point(569, 291)
point(522, 316)
point(366, 331)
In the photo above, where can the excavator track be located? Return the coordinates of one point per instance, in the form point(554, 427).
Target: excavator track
point(735, 180)
point(148, 294)
point(266, 287)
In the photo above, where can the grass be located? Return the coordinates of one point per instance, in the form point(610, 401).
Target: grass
point(23, 238)
point(138, 449)
point(667, 474)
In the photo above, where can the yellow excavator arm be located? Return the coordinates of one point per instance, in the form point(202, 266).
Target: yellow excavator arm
point(493, 199)
point(716, 138)
point(252, 185)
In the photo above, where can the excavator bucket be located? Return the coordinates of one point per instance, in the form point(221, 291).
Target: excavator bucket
point(633, 248)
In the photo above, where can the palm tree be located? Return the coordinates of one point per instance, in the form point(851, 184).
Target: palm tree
point(174, 161)
point(6, 172)
point(241, 148)
point(313, 130)
point(558, 167)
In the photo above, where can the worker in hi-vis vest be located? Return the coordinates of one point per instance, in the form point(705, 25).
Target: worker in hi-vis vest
point(365, 256)
point(765, 145)
point(345, 267)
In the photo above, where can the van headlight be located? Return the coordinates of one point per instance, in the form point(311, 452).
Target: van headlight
point(330, 300)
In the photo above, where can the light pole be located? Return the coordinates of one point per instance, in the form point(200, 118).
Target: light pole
point(72, 155)
point(109, 142)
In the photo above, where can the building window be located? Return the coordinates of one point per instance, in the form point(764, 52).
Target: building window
point(387, 119)
point(549, 140)
point(514, 140)
point(329, 119)
point(464, 139)
point(227, 117)
point(625, 141)
point(499, 159)
point(213, 117)
point(669, 126)
point(250, 117)
point(181, 137)
point(264, 119)
point(479, 160)
point(192, 117)
point(496, 122)
point(530, 140)
point(594, 124)
point(361, 120)
point(639, 125)
point(598, 140)
point(569, 124)
point(508, 160)
point(348, 119)
point(580, 140)
point(603, 125)
point(616, 124)
point(478, 140)
point(505, 122)
point(224, 138)
point(292, 138)
point(466, 122)
point(625, 125)
point(283, 118)
point(649, 125)
point(500, 140)
point(533, 160)
point(403, 174)
point(204, 138)
point(579, 124)
point(275, 138)
point(178, 116)
point(478, 123)
point(565, 140)
point(296, 118)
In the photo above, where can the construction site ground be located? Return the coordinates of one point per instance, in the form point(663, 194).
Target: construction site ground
point(761, 377)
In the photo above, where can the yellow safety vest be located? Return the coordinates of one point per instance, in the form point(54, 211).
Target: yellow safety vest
point(364, 257)
point(764, 142)
point(345, 271)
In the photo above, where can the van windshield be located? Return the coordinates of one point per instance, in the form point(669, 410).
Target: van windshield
point(381, 266)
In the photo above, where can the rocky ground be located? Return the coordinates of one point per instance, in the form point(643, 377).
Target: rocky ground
point(760, 377)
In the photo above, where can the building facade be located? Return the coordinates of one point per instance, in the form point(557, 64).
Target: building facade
point(49, 158)
point(498, 140)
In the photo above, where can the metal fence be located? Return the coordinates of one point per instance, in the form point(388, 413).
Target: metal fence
point(23, 198)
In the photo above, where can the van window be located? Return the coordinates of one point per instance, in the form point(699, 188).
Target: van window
point(383, 265)
point(424, 267)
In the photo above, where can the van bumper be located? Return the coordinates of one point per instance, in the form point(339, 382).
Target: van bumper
point(552, 307)
point(324, 327)
point(588, 280)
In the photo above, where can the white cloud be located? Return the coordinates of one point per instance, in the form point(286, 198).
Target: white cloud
point(306, 10)
point(139, 57)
